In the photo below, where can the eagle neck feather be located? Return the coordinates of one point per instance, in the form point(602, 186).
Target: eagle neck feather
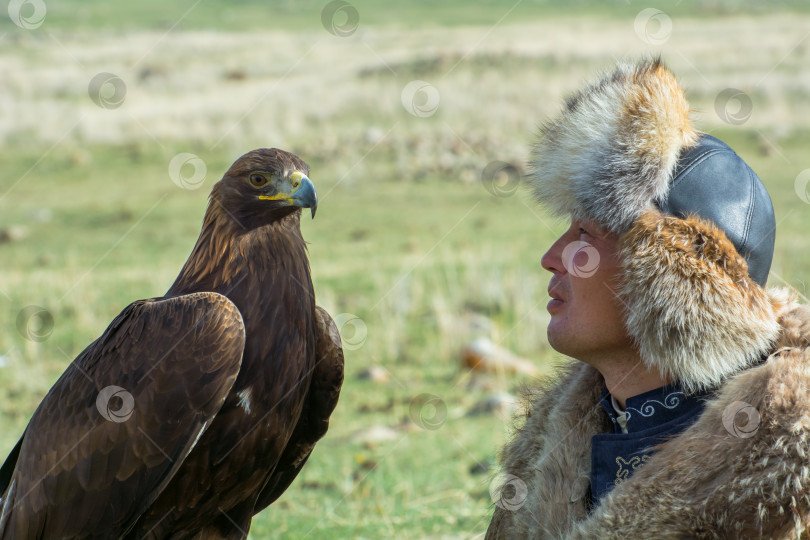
point(227, 254)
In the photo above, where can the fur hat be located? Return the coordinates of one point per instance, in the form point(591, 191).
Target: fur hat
point(691, 214)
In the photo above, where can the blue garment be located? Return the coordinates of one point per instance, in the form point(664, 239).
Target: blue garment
point(652, 418)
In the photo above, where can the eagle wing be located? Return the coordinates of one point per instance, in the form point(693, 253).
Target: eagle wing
point(327, 379)
point(121, 419)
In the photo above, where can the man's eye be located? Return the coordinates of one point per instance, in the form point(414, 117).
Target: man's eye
point(583, 231)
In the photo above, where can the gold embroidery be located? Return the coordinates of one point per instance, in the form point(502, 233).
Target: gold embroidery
point(625, 466)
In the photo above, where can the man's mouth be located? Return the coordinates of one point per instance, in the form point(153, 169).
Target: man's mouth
point(556, 301)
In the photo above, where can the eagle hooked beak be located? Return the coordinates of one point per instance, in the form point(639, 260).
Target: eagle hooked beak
point(304, 196)
point(301, 194)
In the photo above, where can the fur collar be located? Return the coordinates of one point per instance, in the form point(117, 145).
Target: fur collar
point(742, 470)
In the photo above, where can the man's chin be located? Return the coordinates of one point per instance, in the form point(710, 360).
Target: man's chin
point(555, 338)
point(562, 339)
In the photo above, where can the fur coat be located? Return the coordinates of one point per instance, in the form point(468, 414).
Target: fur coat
point(741, 471)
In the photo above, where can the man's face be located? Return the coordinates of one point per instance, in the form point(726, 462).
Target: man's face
point(586, 315)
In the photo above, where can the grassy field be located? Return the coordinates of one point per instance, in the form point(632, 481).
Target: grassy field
point(409, 238)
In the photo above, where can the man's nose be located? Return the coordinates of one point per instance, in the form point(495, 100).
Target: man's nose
point(552, 259)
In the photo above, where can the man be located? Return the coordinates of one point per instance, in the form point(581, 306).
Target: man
point(686, 413)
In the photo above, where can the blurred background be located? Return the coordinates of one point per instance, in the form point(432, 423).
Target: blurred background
point(417, 119)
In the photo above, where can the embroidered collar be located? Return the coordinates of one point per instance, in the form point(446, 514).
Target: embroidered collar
point(653, 408)
point(651, 418)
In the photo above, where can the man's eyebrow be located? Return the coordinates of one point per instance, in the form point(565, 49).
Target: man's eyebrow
point(594, 229)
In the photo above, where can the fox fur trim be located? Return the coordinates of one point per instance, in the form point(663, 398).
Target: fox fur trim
point(693, 311)
point(741, 471)
point(612, 151)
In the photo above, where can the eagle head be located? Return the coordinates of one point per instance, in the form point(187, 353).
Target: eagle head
point(264, 186)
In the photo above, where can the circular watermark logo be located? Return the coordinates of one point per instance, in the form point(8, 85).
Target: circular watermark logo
point(35, 323)
point(352, 330)
point(428, 411)
point(741, 419)
point(420, 98)
point(508, 492)
point(115, 404)
point(27, 14)
point(107, 90)
point(501, 179)
point(802, 185)
point(340, 18)
point(733, 106)
point(653, 26)
point(187, 171)
point(580, 259)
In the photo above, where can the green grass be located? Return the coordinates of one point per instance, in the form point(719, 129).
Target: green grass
point(257, 15)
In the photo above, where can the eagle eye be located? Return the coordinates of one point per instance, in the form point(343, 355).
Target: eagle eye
point(257, 180)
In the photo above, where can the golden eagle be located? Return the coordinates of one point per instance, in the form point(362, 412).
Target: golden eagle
point(195, 410)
